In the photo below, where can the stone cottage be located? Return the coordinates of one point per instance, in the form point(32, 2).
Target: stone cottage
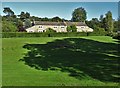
point(40, 26)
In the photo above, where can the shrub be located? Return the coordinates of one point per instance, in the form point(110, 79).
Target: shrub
point(49, 30)
point(48, 34)
point(8, 26)
point(116, 36)
point(71, 28)
point(98, 32)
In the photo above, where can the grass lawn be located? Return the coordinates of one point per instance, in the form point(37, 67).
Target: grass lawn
point(58, 61)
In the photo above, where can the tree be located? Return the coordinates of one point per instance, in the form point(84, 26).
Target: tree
point(27, 15)
point(109, 22)
point(28, 23)
point(45, 19)
point(22, 16)
point(79, 15)
point(48, 30)
point(115, 28)
point(119, 23)
point(93, 23)
point(8, 11)
point(101, 18)
point(56, 19)
point(8, 26)
point(35, 18)
point(71, 28)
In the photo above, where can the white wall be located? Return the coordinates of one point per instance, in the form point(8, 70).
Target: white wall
point(42, 28)
point(56, 28)
point(84, 29)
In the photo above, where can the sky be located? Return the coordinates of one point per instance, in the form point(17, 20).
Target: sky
point(63, 9)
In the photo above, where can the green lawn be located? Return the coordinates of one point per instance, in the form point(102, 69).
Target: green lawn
point(53, 61)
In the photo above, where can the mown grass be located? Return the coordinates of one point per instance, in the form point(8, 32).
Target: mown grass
point(54, 61)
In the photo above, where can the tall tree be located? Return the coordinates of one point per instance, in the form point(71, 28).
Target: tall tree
point(22, 16)
point(93, 23)
point(109, 21)
point(79, 15)
point(27, 23)
point(27, 15)
point(119, 23)
point(8, 11)
point(101, 18)
point(56, 19)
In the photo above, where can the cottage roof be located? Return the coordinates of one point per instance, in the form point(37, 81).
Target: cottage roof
point(60, 23)
point(76, 23)
point(49, 23)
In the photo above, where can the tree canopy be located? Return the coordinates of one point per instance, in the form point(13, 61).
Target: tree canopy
point(8, 11)
point(79, 15)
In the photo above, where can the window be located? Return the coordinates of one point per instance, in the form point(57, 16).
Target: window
point(40, 26)
point(82, 27)
point(30, 31)
point(55, 27)
point(62, 27)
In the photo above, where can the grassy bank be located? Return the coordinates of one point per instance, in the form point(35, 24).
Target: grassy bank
point(60, 61)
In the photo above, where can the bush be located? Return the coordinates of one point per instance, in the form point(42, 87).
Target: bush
point(48, 34)
point(8, 26)
point(71, 28)
point(49, 30)
point(116, 36)
point(98, 32)
point(44, 34)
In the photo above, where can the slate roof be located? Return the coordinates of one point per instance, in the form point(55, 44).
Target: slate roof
point(49, 23)
point(76, 23)
point(60, 23)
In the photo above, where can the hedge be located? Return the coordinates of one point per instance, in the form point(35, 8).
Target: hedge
point(68, 34)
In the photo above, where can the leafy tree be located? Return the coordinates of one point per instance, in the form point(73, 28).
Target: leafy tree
point(56, 19)
point(93, 23)
point(22, 16)
point(28, 23)
point(119, 23)
point(101, 18)
point(109, 22)
point(50, 30)
point(115, 24)
point(8, 26)
point(45, 19)
point(35, 18)
point(79, 15)
point(8, 11)
point(71, 28)
point(27, 15)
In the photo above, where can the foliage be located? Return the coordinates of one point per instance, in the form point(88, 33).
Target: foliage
point(8, 11)
point(51, 34)
point(109, 22)
point(93, 23)
point(48, 30)
point(24, 15)
point(71, 28)
point(27, 15)
point(27, 23)
point(56, 19)
point(8, 26)
point(116, 36)
point(79, 15)
point(115, 28)
point(98, 31)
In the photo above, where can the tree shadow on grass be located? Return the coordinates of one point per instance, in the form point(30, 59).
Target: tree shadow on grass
point(80, 57)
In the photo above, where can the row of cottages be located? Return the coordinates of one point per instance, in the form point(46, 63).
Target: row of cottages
point(40, 26)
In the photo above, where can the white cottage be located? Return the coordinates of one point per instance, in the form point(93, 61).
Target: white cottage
point(40, 26)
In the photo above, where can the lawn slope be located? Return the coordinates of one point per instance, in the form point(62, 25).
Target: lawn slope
point(59, 61)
